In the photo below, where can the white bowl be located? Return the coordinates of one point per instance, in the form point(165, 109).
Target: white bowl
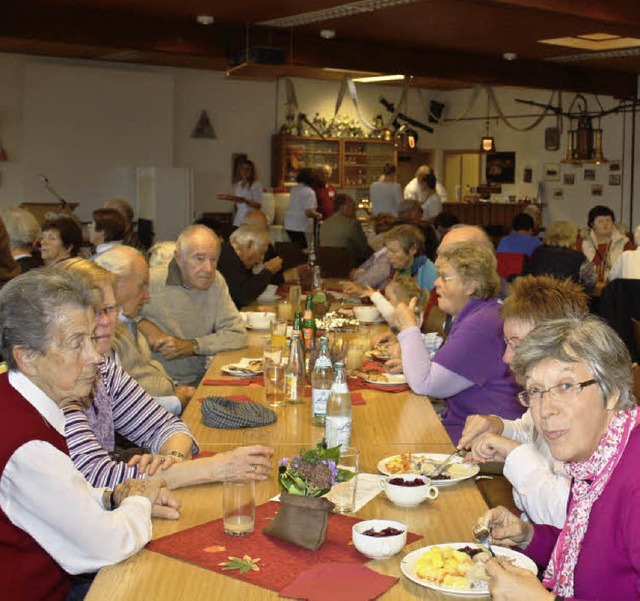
point(366, 314)
point(259, 320)
point(408, 496)
point(378, 547)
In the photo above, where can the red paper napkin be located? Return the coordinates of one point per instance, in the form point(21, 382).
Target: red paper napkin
point(269, 562)
point(357, 399)
point(203, 454)
point(252, 381)
point(338, 582)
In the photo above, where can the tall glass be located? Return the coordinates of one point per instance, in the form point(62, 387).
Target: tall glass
point(344, 494)
point(275, 384)
point(294, 297)
point(279, 333)
point(238, 507)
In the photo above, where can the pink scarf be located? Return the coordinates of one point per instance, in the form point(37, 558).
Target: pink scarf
point(589, 480)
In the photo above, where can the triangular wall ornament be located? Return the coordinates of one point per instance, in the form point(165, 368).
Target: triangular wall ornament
point(203, 128)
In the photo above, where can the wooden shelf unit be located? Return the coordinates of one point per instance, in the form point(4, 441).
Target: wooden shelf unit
point(357, 163)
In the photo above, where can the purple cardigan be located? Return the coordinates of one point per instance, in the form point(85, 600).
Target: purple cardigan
point(608, 567)
point(474, 351)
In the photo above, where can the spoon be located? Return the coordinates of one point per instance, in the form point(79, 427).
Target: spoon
point(483, 535)
point(441, 468)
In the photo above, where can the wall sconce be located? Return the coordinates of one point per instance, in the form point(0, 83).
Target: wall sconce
point(487, 144)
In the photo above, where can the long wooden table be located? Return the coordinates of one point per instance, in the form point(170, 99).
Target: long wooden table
point(388, 424)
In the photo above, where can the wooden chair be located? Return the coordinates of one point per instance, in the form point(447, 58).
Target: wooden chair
point(334, 261)
point(290, 253)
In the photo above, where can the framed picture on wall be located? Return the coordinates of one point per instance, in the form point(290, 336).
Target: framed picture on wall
point(596, 189)
point(551, 172)
point(589, 174)
point(558, 194)
point(568, 179)
point(501, 168)
point(614, 179)
point(614, 165)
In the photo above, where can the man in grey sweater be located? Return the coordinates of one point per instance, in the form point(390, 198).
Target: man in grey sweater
point(190, 313)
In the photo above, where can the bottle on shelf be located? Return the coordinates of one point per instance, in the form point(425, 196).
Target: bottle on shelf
point(339, 415)
point(309, 325)
point(295, 372)
point(321, 383)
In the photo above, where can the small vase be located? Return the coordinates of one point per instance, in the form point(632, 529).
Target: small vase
point(301, 521)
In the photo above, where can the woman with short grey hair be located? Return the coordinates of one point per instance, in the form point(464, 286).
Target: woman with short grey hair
point(468, 371)
point(53, 522)
point(577, 375)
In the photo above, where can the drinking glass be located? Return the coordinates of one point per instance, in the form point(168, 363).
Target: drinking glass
point(272, 353)
point(285, 310)
point(256, 436)
point(274, 384)
point(295, 292)
point(344, 494)
point(238, 507)
point(279, 333)
point(355, 356)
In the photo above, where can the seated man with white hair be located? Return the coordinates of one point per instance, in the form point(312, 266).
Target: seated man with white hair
point(130, 348)
point(627, 266)
point(23, 229)
point(244, 250)
point(190, 313)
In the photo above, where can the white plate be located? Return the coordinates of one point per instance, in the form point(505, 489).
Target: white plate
point(378, 319)
point(459, 471)
point(407, 565)
point(254, 329)
point(245, 362)
point(268, 299)
point(393, 380)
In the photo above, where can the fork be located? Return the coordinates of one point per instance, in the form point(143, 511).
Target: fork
point(483, 535)
point(441, 468)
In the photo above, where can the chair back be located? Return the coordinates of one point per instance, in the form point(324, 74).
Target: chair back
point(290, 253)
point(334, 261)
point(510, 264)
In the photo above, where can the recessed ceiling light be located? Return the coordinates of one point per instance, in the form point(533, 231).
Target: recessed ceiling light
point(509, 56)
point(327, 34)
point(205, 19)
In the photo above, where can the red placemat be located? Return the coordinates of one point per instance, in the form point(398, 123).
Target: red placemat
point(269, 562)
point(357, 399)
point(338, 582)
point(252, 381)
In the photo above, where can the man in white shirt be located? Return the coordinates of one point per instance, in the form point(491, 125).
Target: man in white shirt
point(427, 191)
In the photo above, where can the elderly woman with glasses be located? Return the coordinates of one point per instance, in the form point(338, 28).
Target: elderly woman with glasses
point(468, 370)
point(119, 404)
point(52, 521)
point(578, 384)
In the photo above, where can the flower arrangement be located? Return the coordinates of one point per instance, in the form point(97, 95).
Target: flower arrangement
point(312, 473)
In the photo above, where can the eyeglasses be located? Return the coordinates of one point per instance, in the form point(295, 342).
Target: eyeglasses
point(559, 392)
point(512, 343)
point(104, 311)
point(447, 278)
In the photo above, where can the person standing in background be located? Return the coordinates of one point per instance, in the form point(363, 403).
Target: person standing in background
point(130, 238)
point(325, 192)
point(302, 210)
point(385, 194)
point(247, 193)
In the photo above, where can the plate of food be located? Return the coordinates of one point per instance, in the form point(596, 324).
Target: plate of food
point(378, 353)
point(245, 368)
point(382, 378)
point(425, 463)
point(458, 568)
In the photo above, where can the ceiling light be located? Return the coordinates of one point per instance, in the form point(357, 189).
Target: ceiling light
point(327, 34)
point(595, 42)
point(509, 56)
point(378, 78)
point(335, 12)
point(205, 19)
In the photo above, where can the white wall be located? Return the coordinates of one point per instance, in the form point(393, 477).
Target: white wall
point(88, 126)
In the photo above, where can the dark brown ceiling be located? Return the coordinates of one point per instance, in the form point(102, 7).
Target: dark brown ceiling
point(441, 43)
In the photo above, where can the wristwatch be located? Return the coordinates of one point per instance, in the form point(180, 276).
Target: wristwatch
point(196, 346)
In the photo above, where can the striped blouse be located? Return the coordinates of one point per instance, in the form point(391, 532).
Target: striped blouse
point(121, 405)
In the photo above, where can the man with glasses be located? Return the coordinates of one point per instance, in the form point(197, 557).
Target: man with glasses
point(130, 346)
point(540, 483)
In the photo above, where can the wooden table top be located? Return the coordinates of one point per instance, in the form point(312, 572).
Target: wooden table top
point(389, 423)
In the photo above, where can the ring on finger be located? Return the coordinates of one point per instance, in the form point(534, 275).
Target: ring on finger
point(254, 467)
point(162, 459)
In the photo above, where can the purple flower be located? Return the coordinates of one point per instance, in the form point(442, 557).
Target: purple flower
point(284, 461)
